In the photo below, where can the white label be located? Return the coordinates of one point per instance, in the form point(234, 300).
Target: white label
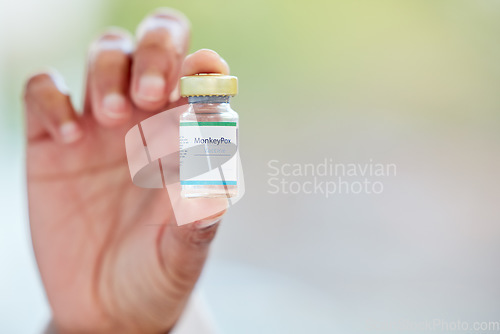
point(208, 153)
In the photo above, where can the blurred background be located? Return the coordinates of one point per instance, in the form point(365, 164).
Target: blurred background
point(414, 83)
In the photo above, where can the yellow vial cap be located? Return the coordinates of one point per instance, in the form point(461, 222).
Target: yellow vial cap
point(205, 84)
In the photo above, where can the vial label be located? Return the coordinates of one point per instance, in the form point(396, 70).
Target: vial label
point(208, 153)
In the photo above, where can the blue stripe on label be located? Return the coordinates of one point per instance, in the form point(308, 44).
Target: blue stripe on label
point(208, 183)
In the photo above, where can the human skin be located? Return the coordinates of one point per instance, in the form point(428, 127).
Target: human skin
point(111, 257)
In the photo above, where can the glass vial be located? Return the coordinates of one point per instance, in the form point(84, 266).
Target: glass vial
point(208, 142)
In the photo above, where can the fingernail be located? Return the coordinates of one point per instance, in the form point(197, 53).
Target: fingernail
point(207, 222)
point(70, 131)
point(58, 80)
point(114, 105)
point(151, 87)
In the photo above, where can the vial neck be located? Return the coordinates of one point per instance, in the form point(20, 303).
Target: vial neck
point(209, 99)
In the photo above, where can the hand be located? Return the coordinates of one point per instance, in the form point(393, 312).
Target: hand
point(111, 257)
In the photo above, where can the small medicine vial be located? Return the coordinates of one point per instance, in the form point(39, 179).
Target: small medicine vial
point(208, 137)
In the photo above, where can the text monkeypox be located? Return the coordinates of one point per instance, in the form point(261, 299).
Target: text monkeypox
point(211, 140)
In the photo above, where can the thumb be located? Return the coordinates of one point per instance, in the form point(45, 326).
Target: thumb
point(184, 250)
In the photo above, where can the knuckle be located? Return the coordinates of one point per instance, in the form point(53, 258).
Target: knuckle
point(166, 29)
point(40, 85)
point(156, 40)
point(114, 40)
point(36, 80)
point(172, 14)
point(45, 92)
point(181, 278)
point(106, 60)
point(115, 33)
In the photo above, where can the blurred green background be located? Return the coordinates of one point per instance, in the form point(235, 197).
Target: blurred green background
point(414, 82)
point(436, 59)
